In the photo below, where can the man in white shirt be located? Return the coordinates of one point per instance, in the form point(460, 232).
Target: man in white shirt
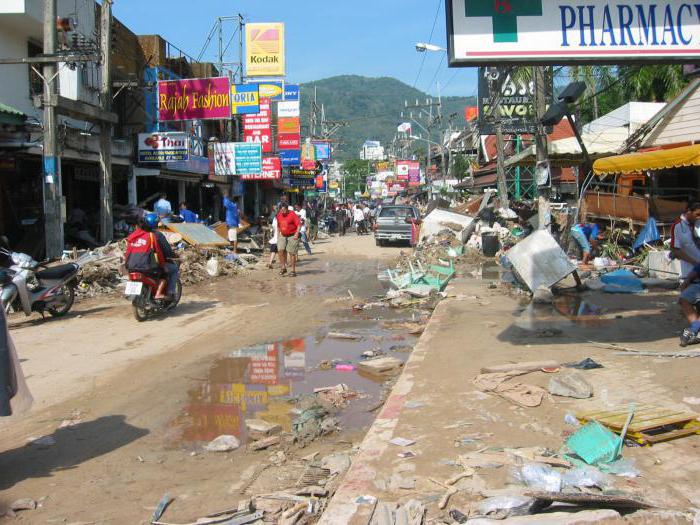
point(684, 245)
point(359, 218)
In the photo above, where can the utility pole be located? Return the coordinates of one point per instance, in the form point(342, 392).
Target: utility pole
point(106, 218)
point(545, 214)
point(500, 163)
point(53, 193)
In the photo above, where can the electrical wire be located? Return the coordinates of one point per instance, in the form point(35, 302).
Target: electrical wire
point(430, 39)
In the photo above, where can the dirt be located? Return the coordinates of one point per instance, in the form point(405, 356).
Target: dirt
point(129, 404)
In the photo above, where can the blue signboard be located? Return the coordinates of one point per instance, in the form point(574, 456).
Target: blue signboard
point(323, 150)
point(245, 99)
point(291, 92)
point(248, 158)
point(291, 158)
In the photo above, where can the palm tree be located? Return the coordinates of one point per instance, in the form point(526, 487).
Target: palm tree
point(658, 83)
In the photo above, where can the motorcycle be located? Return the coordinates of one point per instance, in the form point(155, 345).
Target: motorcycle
point(142, 288)
point(24, 286)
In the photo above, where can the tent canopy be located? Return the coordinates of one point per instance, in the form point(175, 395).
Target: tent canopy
point(649, 160)
point(567, 151)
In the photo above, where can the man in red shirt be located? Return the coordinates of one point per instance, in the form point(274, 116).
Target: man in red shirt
point(288, 226)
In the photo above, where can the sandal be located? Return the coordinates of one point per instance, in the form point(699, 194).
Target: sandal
point(283, 271)
point(293, 274)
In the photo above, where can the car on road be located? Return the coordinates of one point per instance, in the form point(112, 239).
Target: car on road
point(394, 224)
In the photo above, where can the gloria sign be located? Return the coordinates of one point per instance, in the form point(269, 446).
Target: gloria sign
point(245, 99)
point(194, 99)
point(163, 147)
point(264, 50)
point(571, 31)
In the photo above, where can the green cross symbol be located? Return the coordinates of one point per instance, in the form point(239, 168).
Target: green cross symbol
point(504, 14)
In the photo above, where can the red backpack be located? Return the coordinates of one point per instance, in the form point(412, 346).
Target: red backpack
point(143, 254)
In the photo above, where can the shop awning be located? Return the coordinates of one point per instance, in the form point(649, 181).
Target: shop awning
point(10, 115)
point(649, 160)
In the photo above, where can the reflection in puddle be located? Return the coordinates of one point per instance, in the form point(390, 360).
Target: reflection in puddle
point(567, 311)
point(260, 381)
point(574, 306)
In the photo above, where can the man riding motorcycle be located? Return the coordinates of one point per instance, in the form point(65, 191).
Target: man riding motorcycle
point(148, 251)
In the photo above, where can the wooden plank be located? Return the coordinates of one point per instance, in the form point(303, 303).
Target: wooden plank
point(197, 234)
point(529, 366)
point(667, 436)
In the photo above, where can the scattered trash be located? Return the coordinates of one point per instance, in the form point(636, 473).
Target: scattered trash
point(529, 366)
point(406, 455)
point(264, 443)
point(584, 477)
point(345, 368)
point(528, 396)
point(223, 443)
point(342, 335)
point(382, 366)
point(259, 428)
point(621, 281)
point(538, 476)
point(366, 500)
point(594, 444)
point(336, 463)
point(402, 442)
point(570, 419)
point(586, 364)
point(692, 400)
point(570, 384)
point(625, 468)
point(162, 505)
point(502, 507)
point(601, 501)
point(336, 396)
point(44, 441)
point(543, 295)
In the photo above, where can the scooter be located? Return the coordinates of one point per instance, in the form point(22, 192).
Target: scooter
point(142, 289)
point(25, 287)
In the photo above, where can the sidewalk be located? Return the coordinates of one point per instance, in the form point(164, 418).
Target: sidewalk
point(436, 403)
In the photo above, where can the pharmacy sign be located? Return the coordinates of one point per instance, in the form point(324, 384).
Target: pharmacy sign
point(499, 32)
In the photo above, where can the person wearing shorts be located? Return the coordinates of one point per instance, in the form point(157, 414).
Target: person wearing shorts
point(690, 298)
point(233, 221)
point(288, 226)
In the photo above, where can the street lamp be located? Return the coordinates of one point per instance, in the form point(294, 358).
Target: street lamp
point(422, 47)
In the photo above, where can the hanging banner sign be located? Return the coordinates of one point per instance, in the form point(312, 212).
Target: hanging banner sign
point(163, 147)
point(193, 99)
point(286, 141)
point(414, 173)
point(245, 99)
point(264, 50)
point(308, 156)
point(288, 109)
point(571, 31)
point(290, 158)
point(289, 125)
point(402, 169)
point(517, 108)
point(257, 129)
point(271, 170)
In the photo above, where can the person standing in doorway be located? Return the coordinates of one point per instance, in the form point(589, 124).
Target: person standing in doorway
point(233, 220)
point(288, 227)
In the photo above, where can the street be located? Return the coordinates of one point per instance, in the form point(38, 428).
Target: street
point(128, 387)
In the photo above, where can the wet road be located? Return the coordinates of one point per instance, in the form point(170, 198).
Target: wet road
point(129, 405)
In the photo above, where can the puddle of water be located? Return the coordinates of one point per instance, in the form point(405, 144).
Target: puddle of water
point(576, 307)
point(258, 382)
point(566, 311)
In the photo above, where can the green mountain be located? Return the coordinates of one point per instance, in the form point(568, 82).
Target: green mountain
point(373, 108)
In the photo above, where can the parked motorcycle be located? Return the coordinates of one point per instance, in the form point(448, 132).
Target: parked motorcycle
point(24, 286)
point(142, 289)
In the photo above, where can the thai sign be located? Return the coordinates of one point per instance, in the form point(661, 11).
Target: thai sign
point(571, 31)
point(264, 50)
point(194, 99)
point(257, 128)
point(163, 147)
point(245, 99)
point(517, 107)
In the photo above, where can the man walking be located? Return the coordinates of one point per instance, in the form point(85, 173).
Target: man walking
point(233, 221)
point(288, 226)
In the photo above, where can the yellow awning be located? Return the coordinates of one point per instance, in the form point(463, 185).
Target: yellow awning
point(649, 160)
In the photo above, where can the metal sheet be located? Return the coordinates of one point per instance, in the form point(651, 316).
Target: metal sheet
point(540, 261)
point(198, 234)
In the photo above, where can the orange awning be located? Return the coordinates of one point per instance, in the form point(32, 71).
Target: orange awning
point(649, 160)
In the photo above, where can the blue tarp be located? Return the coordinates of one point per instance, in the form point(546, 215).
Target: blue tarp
point(649, 234)
point(621, 281)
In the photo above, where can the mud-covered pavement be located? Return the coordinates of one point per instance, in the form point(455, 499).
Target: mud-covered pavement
point(130, 405)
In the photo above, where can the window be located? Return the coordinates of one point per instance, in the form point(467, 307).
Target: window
point(400, 213)
point(36, 85)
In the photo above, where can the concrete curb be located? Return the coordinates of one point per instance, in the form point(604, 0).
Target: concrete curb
point(359, 478)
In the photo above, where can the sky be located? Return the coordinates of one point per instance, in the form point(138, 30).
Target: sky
point(323, 38)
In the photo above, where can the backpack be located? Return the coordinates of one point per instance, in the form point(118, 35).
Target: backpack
point(141, 252)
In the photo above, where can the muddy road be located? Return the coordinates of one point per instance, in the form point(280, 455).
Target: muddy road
point(130, 405)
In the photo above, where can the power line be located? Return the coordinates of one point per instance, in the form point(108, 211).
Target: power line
point(430, 39)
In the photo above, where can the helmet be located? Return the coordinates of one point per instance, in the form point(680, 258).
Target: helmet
point(151, 220)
